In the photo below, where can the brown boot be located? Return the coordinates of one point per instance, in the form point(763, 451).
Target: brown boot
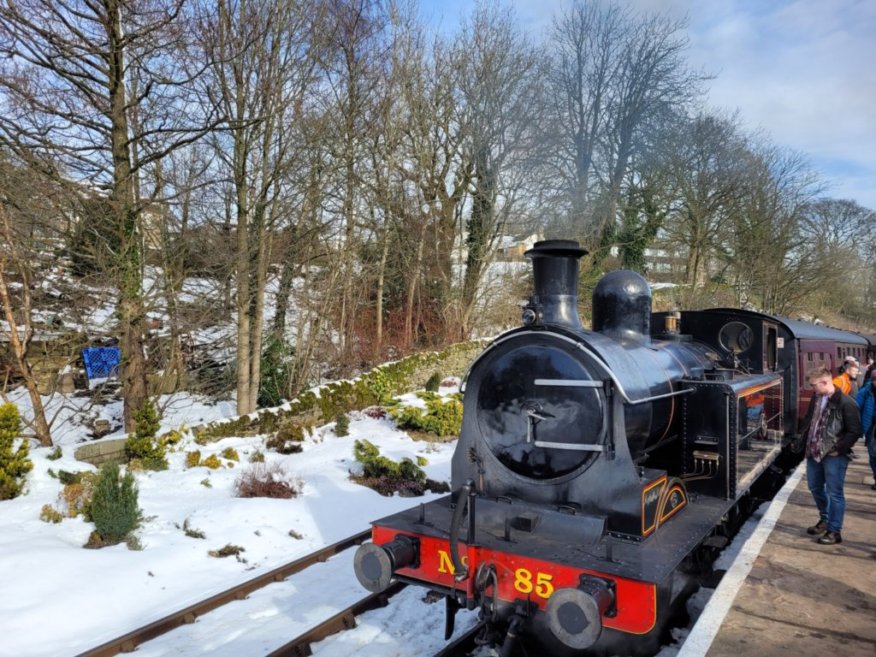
point(818, 528)
point(830, 538)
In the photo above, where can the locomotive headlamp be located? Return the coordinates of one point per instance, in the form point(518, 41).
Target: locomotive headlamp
point(575, 615)
point(375, 564)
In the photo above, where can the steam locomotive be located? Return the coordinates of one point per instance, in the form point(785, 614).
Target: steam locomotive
point(596, 467)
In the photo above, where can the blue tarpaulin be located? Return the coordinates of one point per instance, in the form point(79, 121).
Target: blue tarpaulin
point(101, 362)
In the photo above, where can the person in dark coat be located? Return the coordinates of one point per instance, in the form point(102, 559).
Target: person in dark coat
point(867, 403)
point(831, 427)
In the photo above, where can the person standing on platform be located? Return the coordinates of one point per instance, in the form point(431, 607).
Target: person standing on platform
point(871, 365)
point(867, 403)
point(847, 380)
point(831, 427)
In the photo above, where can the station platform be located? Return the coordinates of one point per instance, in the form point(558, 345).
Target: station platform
point(788, 596)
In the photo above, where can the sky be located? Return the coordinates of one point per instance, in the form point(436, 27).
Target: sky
point(802, 71)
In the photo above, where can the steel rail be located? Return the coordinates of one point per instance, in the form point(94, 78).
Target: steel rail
point(343, 620)
point(463, 644)
point(129, 642)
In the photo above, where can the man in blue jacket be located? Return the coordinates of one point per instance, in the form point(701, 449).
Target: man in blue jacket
point(867, 404)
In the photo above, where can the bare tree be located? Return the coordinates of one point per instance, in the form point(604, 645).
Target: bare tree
point(837, 235)
point(706, 159)
point(90, 95)
point(617, 78)
point(766, 251)
point(499, 80)
point(261, 70)
point(17, 259)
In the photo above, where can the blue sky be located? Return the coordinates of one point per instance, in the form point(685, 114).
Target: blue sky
point(804, 71)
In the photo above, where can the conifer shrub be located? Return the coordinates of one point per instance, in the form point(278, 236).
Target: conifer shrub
point(114, 506)
point(231, 454)
point(386, 476)
point(172, 437)
point(266, 480)
point(212, 462)
point(193, 459)
point(434, 382)
point(50, 514)
point(277, 367)
point(441, 417)
point(342, 425)
point(55, 454)
point(14, 461)
point(142, 444)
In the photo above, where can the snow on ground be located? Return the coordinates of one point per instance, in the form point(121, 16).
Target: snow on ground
point(61, 599)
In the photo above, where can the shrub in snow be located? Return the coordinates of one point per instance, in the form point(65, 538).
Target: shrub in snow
point(172, 437)
point(14, 461)
point(77, 494)
point(55, 454)
point(385, 476)
point(441, 417)
point(433, 382)
point(113, 507)
point(261, 480)
point(193, 459)
point(50, 514)
point(212, 462)
point(228, 550)
point(288, 437)
point(142, 445)
point(342, 425)
point(191, 532)
point(257, 456)
point(230, 454)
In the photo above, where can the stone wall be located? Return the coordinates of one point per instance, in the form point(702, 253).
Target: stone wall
point(105, 451)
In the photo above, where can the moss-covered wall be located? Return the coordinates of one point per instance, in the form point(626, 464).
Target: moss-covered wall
point(322, 404)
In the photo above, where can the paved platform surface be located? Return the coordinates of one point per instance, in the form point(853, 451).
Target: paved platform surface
point(802, 599)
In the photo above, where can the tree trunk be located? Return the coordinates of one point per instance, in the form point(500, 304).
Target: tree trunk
point(19, 351)
point(413, 282)
point(378, 306)
point(132, 313)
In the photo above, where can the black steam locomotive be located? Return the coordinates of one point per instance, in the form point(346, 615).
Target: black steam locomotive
point(594, 466)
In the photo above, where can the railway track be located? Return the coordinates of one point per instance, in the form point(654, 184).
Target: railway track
point(129, 641)
point(343, 620)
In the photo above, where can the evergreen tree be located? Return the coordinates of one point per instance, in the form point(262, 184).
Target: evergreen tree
point(114, 504)
point(141, 444)
point(14, 462)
